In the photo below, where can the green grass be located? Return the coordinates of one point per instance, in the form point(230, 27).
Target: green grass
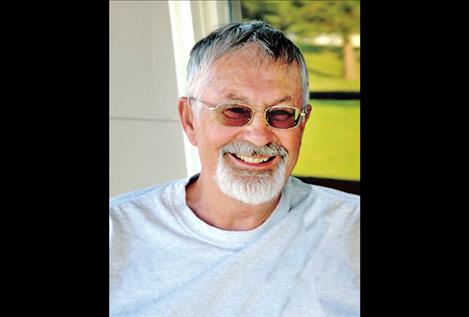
point(331, 141)
point(325, 69)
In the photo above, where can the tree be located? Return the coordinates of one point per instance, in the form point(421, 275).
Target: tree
point(311, 18)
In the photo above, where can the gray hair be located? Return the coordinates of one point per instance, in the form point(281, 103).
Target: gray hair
point(231, 37)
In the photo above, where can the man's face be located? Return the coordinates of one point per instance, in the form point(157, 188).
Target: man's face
point(246, 77)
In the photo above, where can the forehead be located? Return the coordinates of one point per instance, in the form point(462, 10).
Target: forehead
point(250, 74)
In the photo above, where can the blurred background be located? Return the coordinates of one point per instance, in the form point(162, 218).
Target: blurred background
point(328, 34)
point(150, 43)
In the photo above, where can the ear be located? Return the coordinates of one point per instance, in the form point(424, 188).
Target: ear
point(308, 113)
point(187, 119)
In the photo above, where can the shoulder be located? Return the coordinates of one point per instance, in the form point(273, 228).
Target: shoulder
point(303, 191)
point(136, 210)
point(329, 205)
point(144, 195)
point(330, 215)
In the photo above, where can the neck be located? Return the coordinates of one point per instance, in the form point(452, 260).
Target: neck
point(211, 205)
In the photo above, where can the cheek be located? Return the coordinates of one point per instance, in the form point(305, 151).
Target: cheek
point(211, 138)
point(292, 139)
point(293, 144)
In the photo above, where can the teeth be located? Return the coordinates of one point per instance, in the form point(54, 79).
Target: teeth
point(251, 159)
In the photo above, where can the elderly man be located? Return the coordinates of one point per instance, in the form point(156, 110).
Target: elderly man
point(242, 237)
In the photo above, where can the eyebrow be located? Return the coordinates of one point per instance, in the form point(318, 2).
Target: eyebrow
point(235, 97)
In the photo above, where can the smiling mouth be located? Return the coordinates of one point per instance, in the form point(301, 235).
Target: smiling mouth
point(253, 159)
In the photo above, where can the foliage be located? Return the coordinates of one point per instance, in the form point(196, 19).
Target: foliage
point(306, 18)
point(325, 69)
point(302, 19)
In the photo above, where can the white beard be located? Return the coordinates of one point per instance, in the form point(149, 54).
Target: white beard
point(247, 186)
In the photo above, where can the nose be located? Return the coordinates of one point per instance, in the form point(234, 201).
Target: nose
point(258, 132)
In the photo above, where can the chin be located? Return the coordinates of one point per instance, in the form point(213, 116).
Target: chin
point(249, 186)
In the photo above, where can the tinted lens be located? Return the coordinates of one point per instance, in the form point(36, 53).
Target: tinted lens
point(234, 115)
point(281, 117)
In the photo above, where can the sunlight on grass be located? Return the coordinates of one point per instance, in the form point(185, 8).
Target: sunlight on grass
point(331, 141)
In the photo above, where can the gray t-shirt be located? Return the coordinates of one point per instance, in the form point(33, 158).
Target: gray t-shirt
point(302, 261)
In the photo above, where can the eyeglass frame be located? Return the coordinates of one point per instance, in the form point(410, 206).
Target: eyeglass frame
point(212, 108)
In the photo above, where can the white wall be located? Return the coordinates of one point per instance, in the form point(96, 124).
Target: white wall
point(149, 48)
point(146, 142)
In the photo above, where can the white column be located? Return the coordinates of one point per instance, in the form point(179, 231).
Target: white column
point(150, 43)
point(146, 142)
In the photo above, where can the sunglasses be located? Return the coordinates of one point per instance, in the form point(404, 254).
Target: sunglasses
point(237, 115)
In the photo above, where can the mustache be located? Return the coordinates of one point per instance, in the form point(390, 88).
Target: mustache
point(248, 149)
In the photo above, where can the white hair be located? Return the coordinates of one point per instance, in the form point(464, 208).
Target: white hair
point(271, 42)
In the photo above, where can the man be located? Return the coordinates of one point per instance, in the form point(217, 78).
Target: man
point(242, 237)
